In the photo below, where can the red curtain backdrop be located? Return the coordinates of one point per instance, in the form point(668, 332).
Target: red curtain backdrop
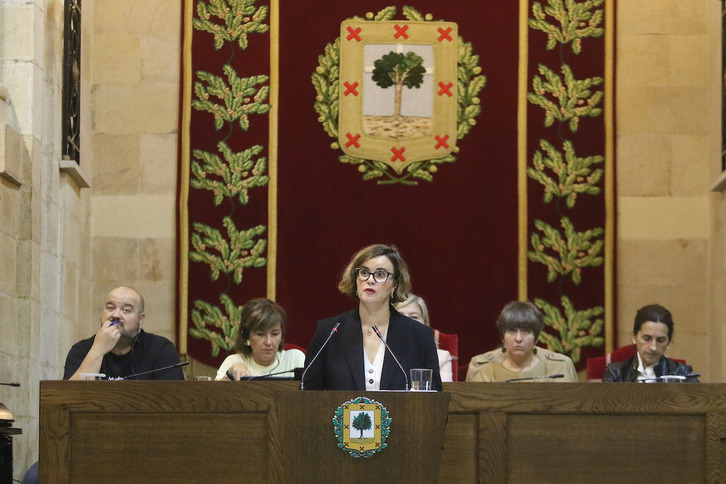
point(459, 233)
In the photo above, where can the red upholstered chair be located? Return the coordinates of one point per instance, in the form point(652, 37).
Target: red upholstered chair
point(450, 343)
point(596, 366)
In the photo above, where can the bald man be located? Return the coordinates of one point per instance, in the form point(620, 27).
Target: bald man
point(121, 348)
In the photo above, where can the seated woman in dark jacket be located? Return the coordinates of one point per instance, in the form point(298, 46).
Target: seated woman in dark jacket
point(652, 334)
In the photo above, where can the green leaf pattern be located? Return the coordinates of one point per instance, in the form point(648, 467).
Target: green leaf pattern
point(564, 176)
point(229, 175)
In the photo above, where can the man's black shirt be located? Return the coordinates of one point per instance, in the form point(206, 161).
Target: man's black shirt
point(149, 352)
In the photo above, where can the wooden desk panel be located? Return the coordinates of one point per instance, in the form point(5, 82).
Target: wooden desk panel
point(152, 447)
point(495, 433)
point(160, 432)
point(605, 448)
point(588, 432)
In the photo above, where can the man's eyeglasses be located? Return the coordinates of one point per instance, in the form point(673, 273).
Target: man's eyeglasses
point(380, 276)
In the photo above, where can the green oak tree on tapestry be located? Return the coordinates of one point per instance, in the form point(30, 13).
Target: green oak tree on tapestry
point(231, 177)
point(239, 97)
point(576, 329)
point(326, 81)
point(235, 20)
point(362, 422)
point(577, 20)
point(399, 70)
point(573, 175)
point(218, 325)
point(573, 98)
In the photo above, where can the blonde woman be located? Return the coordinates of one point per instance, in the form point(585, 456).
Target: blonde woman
point(415, 308)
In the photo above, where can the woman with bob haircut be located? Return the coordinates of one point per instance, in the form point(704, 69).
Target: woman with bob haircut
point(652, 335)
point(355, 358)
point(260, 342)
point(519, 324)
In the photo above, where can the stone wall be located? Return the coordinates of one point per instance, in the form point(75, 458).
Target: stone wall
point(134, 77)
point(44, 219)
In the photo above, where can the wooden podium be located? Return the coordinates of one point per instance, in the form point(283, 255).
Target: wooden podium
point(163, 432)
point(413, 448)
point(218, 432)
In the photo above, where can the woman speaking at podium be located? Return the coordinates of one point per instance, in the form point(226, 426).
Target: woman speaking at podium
point(371, 347)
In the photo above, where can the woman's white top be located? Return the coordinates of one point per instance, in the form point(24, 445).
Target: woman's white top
point(646, 373)
point(446, 365)
point(286, 360)
point(373, 369)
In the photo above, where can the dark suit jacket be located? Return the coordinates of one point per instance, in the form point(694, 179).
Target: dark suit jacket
point(340, 366)
point(627, 371)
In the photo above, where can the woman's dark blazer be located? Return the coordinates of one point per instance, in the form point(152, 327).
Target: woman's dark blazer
point(340, 365)
point(627, 371)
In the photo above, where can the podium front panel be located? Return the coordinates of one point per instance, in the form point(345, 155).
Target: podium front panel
point(413, 448)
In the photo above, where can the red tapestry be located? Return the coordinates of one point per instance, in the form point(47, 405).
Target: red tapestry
point(489, 163)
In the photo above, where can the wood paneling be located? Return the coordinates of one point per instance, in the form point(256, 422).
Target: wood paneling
point(495, 433)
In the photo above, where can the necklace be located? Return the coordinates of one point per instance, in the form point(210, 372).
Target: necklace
point(369, 332)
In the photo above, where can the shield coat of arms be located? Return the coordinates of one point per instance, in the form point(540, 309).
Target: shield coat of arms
point(398, 90)
point(361, 426)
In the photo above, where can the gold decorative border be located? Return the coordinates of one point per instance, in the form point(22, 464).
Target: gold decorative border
point(272, 149)
point(186, 121)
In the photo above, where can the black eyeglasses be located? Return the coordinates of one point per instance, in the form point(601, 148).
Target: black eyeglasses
point(380, 275)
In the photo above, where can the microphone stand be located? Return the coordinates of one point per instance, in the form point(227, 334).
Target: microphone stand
point(669, 378)
point(332, 331)
point(378, 333)
point(559, 375)
point(178, 365)
point(259, 377)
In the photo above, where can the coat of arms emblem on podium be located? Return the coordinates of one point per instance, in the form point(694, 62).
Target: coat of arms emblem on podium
point(361, 426)
point(396, 95)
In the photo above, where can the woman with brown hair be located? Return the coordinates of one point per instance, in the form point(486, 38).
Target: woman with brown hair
point(259, 344)
point(519, 324)
point(355, 357)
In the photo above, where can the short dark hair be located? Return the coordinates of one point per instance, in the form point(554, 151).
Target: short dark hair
point(654, 313)
point(401, 278)
point(259, 315)
point(520, 315)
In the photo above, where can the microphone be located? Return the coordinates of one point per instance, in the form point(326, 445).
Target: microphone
point(178, 365)
point(10, 384)
point(559, 375)
point(670, 378)
point(295, 371)
point(378, 333)
point(325, 343)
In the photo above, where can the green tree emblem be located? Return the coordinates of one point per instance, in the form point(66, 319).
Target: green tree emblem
point(362, 422)
point(470, 82)
point(399, 70)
